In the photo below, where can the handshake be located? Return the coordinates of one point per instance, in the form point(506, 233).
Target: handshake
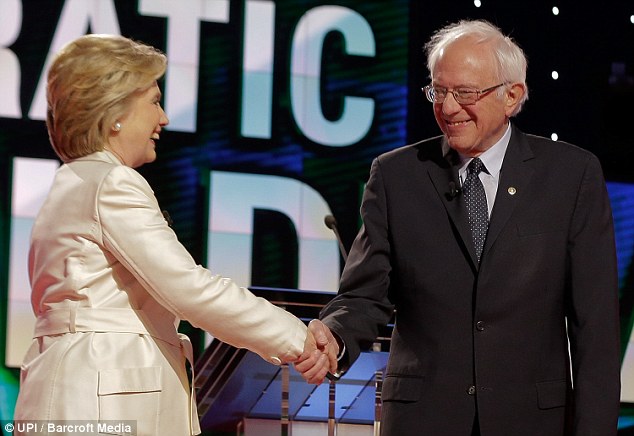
point(320, 353)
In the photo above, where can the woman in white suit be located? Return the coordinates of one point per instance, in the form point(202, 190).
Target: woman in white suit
point(110, 281)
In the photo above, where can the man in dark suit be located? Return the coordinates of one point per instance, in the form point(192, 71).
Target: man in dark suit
point(518, 336)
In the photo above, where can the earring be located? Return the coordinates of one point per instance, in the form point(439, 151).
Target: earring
point(117, 126)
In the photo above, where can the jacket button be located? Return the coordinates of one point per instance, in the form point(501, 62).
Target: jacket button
point(480, 326)
point(471, 390)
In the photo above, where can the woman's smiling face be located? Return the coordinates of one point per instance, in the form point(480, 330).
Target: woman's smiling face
point(135, 143)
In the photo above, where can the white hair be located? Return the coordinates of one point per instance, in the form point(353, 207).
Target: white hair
point(510, 60)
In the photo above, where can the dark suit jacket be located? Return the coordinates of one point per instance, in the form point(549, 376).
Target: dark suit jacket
point(493, 337)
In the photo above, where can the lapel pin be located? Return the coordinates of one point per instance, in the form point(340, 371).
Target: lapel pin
point(512, 190)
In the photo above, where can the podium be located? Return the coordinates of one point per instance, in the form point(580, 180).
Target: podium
point(236, 388)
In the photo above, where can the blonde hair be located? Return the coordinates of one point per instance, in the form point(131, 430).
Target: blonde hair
point(90, 83)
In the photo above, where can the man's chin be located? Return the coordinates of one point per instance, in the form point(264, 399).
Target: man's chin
point(460, 143)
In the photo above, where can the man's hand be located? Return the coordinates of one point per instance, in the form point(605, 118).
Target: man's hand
point(320, 353)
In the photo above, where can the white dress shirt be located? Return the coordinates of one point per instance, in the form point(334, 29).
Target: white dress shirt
point(492, 160)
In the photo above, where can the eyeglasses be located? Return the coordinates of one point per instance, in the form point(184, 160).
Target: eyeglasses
point(464, 96)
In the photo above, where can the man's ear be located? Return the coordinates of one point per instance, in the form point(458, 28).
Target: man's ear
point(513, 96)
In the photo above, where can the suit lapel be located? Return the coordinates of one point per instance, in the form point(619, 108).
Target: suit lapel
point(515, 176)
point(445, 176)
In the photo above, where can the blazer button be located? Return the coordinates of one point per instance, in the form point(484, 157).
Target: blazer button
point(471, 390)
point(480, 326)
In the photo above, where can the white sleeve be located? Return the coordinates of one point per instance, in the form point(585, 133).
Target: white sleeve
point(135, 231)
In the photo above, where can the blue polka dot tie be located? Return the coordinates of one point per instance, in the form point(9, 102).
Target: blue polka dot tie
point(476, 205)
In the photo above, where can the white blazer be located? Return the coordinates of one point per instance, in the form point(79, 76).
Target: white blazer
point(110, 282)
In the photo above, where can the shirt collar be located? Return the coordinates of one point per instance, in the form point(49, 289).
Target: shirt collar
point(492, 158)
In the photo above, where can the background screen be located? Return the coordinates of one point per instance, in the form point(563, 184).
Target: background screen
point(277, 109)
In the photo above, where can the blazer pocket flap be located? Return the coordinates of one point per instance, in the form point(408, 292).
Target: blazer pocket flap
point(402, 388)
point(129, 380)
point(551, 394)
